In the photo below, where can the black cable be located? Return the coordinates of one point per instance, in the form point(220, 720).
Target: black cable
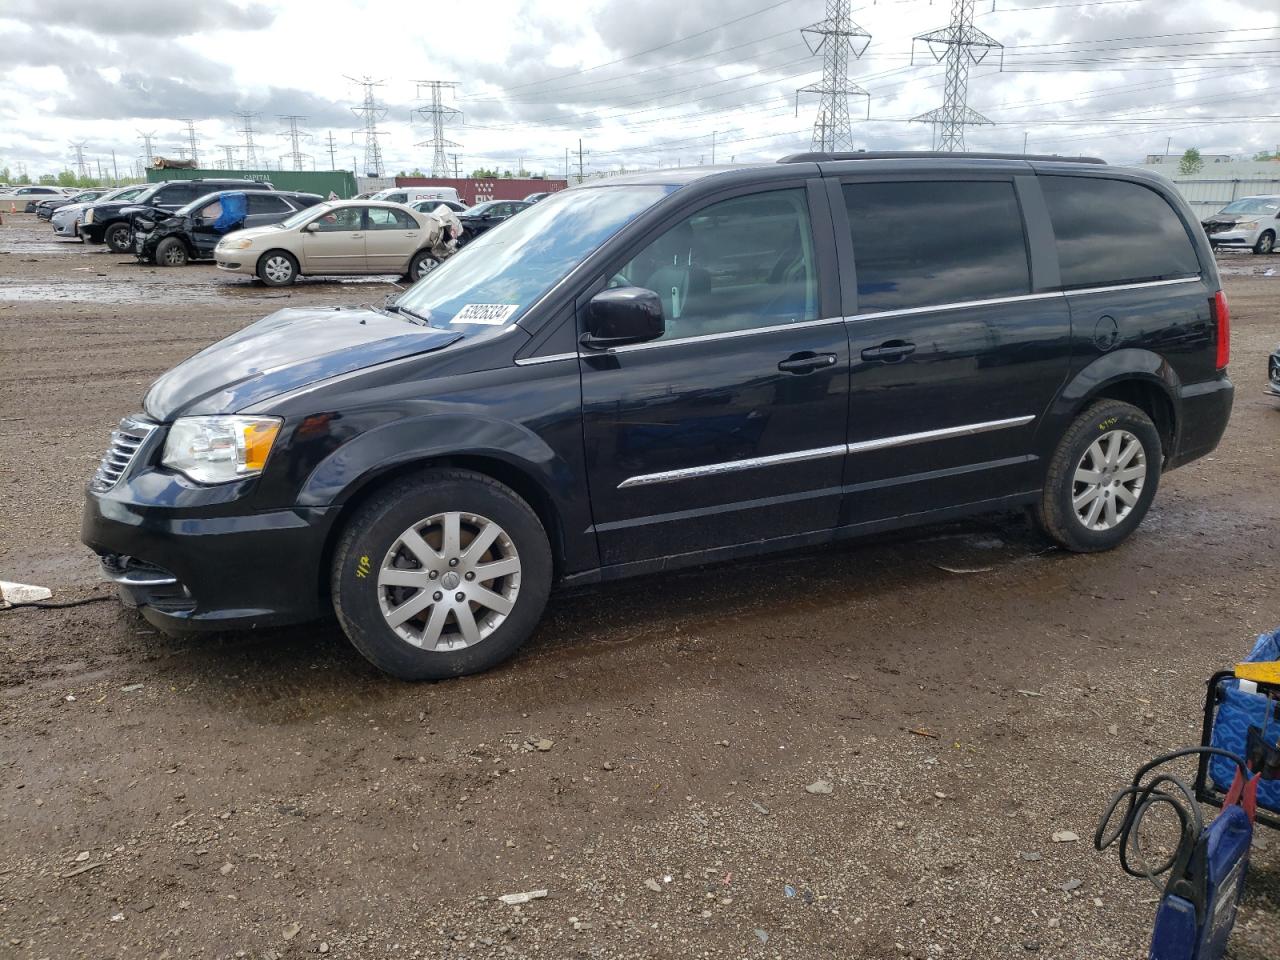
point(42, 605)
point(1142, 798)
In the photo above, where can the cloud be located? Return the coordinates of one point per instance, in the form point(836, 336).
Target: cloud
point(143, 17)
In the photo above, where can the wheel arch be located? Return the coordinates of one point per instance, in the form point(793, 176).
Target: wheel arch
point(1137, 377)
point(518, 478)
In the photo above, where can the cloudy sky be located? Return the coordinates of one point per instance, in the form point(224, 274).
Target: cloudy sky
point(641, 84)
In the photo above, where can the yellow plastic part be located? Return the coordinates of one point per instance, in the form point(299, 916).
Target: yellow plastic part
point(1259, 672)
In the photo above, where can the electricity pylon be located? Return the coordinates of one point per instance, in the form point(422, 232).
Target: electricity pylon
point(370, 111)
point(961, 44)
point(836, 37)
point(438, 114)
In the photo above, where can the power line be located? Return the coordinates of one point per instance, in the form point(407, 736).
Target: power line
point(146, 144)
point(836, 37)
point(192, 143)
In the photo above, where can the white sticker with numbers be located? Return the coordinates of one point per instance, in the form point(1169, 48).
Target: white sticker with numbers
point(490, 313)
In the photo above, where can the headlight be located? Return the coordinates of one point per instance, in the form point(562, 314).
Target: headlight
point(241, 244)
point(88, 217)
point(1245, 224)
point(220, 449)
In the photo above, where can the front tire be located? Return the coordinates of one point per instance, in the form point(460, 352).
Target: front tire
point(277, 268)
point(1102, 478)
point(117, 237)
point(1266, 243)
point(171, 252)
point(441, 574)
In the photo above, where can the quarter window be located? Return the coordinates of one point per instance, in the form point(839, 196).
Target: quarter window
point(735, 265)
point(1115, 231)
point(923, 244)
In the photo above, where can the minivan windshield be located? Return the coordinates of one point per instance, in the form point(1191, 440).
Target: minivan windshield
point(1253, 205)
point(503, 272)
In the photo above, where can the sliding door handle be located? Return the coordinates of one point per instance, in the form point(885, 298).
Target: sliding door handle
point(891, 351)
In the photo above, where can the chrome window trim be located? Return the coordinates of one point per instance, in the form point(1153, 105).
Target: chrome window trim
point(818, 453)
point(959, 305)
point(731, 466)
point(1133, 286)
point(723, 335)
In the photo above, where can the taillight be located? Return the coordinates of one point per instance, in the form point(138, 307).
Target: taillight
point(1222, 320)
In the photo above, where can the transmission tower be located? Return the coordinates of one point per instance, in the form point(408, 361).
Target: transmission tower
point(296, 136)
point(229, 152)
point(333, 150)
point(82, 165)
point(438, 113)
point(192, 143)
point(250, 148)
point(961, 44)
point(370, 111)
point(146, 144)
point(836, 37)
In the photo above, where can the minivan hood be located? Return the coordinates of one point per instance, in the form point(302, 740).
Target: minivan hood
point(289, 349)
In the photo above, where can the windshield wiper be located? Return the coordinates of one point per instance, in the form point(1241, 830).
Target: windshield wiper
point(406, 312)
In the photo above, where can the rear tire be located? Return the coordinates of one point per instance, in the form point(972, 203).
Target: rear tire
point(1101, 479)
point(411, 593)
point(1266, 243)
point(277, 268)
point(171, 252)
point(117, 237)
point(421, 264)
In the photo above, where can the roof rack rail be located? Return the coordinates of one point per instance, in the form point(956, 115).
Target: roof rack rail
point(818, 157)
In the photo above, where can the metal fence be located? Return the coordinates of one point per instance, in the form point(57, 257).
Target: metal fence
point(1209, 195)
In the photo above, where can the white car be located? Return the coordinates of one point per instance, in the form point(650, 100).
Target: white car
point(1252, 222)
point(66, 220)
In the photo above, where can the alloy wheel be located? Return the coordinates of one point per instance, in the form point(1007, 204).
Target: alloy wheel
point(449, 581)
point(278, 269)
point(1108, 480)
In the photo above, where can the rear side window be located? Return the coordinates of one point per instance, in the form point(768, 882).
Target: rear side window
point(266, 203)
point(924, 244)
point(1114, 231)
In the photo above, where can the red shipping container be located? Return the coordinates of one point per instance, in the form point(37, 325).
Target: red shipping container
point(472, 191)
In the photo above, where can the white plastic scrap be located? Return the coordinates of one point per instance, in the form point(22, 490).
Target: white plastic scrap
point(11, 593)
point(513, 899)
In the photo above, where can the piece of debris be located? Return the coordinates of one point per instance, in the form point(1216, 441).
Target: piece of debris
point(789, 891)
point(131, 688)
point(292, 930)
point(226, 869)
point(763, 937)
point(1031, 693)
point(820, 787)
point(544, 745)
point(513, 899)
point(962, 570)
point(116, 917)
point(653, 885)
point(79, 870)
point(82, 856)
point(1065, 836)
point(760, 808)
point(922, 733)
point(14, 593)
point(1072, 884)
point(1030, 856)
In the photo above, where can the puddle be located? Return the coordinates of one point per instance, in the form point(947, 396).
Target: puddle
point(1245, 263)
point(181, 289)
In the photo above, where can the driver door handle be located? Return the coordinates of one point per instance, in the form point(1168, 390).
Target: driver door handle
point(807, 362)
point(890, 351)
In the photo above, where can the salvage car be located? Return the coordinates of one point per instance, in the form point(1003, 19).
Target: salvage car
point(483, 217)
point(1250, 222)
point(193, 231)
point(26, 193)
point(109, 222)
point(675, 368)
point(66, 220)
point(341, 238)
point(44, 209)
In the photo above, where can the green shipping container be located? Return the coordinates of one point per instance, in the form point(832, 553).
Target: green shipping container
point(322, 182)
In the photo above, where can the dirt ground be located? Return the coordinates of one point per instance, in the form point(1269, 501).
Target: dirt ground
point(269, 795)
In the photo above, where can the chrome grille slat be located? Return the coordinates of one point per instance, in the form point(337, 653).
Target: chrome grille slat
point(126, 440)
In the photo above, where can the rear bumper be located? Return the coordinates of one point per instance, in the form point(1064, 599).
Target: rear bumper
point(216, 566)
point(1206, 409)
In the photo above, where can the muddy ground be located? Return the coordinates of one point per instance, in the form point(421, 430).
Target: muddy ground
point(270, 795)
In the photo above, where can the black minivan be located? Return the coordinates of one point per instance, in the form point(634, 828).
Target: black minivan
point(675, 368)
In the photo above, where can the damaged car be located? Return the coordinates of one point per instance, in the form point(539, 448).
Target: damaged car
point(342, 238)
point(108, 221)
point(193, 231)
point(1250, 223)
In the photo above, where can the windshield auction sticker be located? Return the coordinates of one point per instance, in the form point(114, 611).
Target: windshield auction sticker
point(490, 313)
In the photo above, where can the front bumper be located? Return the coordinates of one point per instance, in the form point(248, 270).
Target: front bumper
point(1273, 375)
point(227, 263)
point(1206, 408)
point(1233, 238)
point(202, 558)
point(66, 228)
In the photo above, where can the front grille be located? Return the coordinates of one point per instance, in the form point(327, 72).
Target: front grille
point(1218, 226)
point(126, 441)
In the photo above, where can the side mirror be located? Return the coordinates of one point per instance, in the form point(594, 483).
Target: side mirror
point(621, 316)
point(312, 227)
